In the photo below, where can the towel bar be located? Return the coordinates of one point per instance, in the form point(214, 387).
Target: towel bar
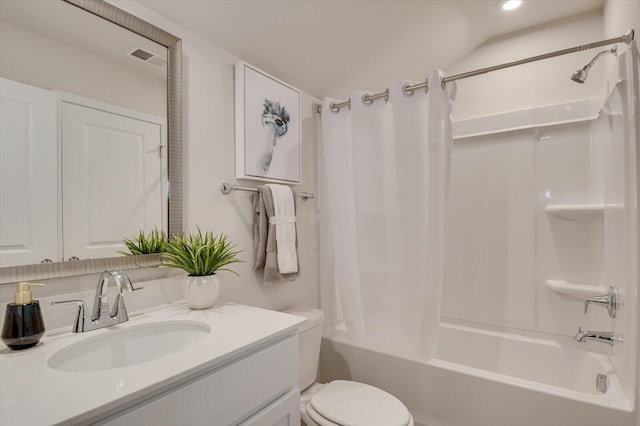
point(226, 188)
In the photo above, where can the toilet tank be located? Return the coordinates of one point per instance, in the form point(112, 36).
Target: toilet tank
point(309, 338)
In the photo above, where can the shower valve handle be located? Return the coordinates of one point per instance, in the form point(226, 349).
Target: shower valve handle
point(609, 300)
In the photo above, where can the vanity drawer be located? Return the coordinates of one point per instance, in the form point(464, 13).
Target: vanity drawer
point(225, 397)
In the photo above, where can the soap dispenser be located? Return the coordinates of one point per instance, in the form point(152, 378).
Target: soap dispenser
point(23, 325)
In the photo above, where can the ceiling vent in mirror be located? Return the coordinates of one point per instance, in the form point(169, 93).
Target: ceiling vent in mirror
point(148, 57)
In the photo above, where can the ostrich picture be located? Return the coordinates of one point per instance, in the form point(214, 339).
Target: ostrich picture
point(275, 121)
point(268, 128)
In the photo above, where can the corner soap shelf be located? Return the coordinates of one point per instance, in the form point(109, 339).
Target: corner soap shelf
point(580, 211)
point(581, 291)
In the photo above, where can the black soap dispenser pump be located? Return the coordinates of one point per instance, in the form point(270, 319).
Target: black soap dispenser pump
point(23, 325)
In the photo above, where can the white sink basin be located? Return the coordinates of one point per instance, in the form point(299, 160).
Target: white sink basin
point(125, 346)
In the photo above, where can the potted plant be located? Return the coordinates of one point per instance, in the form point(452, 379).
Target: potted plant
point(155, 242)
point(201, 256)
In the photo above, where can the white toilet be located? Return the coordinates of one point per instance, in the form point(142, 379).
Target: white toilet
point(341, 402)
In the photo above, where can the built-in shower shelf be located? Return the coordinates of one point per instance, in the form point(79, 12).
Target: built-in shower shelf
point(580, 211)
point(582, 291)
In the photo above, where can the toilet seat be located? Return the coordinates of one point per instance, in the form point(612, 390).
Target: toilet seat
point(344, 402)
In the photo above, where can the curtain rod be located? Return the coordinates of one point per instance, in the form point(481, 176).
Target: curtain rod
point(409, 89)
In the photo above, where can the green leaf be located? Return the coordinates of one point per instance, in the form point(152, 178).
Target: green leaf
point(200, 254)
point(154, 242)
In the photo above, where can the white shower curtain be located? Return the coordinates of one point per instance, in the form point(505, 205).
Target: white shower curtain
point(384, 174)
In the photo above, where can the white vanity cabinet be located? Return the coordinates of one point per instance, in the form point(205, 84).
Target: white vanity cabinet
point(259, 389)
point(243, 372)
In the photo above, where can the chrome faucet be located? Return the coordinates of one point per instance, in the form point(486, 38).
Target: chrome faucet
point(100, 316)
point(598, 336)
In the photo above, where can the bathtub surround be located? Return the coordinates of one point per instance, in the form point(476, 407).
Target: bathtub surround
point(529, 176)
point(386, 172)
point(506, 342)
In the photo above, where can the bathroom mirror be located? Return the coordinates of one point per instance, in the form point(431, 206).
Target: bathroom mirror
point(134, 71)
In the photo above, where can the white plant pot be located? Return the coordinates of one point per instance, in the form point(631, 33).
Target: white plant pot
point(201, 292)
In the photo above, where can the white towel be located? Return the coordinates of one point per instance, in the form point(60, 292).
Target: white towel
point(285, 221)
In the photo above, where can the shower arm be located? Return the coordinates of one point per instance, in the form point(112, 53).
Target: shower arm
point(409, 89)
point(613, 51)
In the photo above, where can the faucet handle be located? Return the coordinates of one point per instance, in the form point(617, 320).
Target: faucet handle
point(609, 300)
point(78, 324)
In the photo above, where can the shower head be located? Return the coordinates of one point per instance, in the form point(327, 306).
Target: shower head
point(581, 75)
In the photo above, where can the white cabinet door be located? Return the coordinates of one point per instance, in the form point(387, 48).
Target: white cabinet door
point(262, 383)
point(112, 180)
point(28, 174)
point(283, 412)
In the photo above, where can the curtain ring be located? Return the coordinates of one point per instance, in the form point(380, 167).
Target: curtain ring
point(333, 107)
point(366, 100)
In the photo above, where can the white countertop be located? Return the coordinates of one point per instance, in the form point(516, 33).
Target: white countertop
point(32, 393)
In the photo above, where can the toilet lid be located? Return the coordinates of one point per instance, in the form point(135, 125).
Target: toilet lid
point(357, 404)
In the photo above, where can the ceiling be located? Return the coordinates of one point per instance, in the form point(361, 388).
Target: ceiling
point(329, 47)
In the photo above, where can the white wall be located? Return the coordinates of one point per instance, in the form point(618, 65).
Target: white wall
point(620, 16)
point(209, 152)
point(39, 61)
point(535, 84)
point(209, 160)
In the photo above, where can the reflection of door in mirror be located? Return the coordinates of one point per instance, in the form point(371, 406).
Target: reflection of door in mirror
point(116, 184)
point(28, 174)
point(111, 182)
point(111, 179)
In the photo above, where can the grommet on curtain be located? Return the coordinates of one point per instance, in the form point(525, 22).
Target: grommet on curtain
point(368, 99)
point(442, 83)
point(406, 91)
point(333, 107)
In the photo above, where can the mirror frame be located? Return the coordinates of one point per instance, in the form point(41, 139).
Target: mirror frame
point(10, 274)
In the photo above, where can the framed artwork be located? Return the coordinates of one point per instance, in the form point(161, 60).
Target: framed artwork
point(268, 127)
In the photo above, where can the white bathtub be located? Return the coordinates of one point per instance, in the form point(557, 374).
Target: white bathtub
point(485, 378)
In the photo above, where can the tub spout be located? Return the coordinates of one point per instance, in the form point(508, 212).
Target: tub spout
point(598, 336)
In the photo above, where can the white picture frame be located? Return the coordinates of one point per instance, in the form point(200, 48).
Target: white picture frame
point(268, 128)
